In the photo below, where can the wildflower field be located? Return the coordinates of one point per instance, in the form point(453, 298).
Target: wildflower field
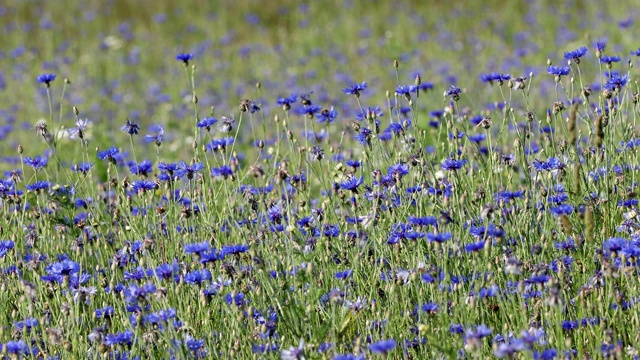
point(333, 179)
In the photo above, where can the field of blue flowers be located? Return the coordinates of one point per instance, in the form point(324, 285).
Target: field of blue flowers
point(325, 180)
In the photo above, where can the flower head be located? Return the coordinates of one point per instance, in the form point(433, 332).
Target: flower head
point(130, 128)
point(355, 89)
point(185, 58)
point(46, 79)
point(575, 55)
point(558, 71)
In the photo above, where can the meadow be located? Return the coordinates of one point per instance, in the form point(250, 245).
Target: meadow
point(325, 180)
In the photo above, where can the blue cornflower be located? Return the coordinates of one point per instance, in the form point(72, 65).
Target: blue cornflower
point(130, 128)
point(16, 347)
point(609, 60)
point(348, 357)
point(616, 82)
point(38, 186)
point(343, 275)
point(194, 344)
point(46, 79)
point(234, 249)
point(558, 71)
point(364, 136)
point(326, 115)
point(430, 308)
point(355, 89)
point(568, 325)
point(352, 183)
point(197, 277)
point(382, 346)
point(224, 171)
point(219, 144)
point(615, 244)
point(395, 128)
point(452, 165)
point(439, 238)
point(309, 110)
point(109, 154)
point(82, 168)
point(143, 186)
point(369, 113)
point(562, 209)
point(475, 246)
point(398, 170)
point(509, 349)
point(188, 170)
point(286, 102)
point(78, 131)
point(497, 77)
point(125, 337)
point(105, 312)
point(508, 195)
point(423, 221)
point(156, 136)
point(353, 163)
point(454, 92)
point(575, 55)
point(38, 162)
point(142, 169)
point(406, 90)
point(636, 52)
point(600, 46)
point(185, 58)
point(477, 138)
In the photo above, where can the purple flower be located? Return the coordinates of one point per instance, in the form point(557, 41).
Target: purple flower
point(185, 58)
point(224, 171)
point(342, 275)
point(38, 162)
point(326, 116)
point(142, 186)
point(382, 346)
point(130, 128)
point(609, 59)
point(352, 183)
point(156, 136)
point(575, 55)
point(452, 165)
point(454, 92)
point(355, 89)
point(286, 102)
point(46, 79)
point(615, 244)
point(38, 186)
point(558, 71)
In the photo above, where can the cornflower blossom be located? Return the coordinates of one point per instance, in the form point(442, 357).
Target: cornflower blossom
point(46, 79)
point(558, 72)
point(156, 135)
point(286, 102)
point(130, 128)
point(355, 89)
point(79, 130)
point(185, 58)
point(575, 55)
point(452, 164)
